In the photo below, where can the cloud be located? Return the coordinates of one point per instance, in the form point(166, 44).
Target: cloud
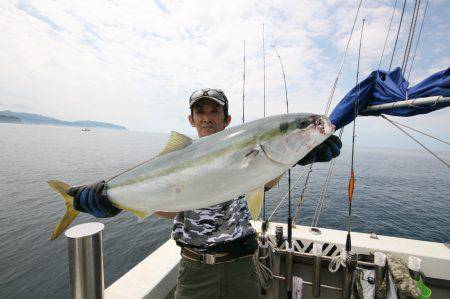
point(135, 63)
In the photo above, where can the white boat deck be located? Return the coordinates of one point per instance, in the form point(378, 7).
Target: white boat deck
point(156, 275)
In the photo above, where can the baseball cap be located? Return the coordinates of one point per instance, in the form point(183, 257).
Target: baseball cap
point(216, 95)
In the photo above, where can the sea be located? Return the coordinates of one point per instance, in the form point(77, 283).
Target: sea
point(398, 192)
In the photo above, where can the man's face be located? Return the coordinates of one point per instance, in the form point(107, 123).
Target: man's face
point(208, 117)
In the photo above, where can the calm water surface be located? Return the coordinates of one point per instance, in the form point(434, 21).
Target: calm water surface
point(398, 192)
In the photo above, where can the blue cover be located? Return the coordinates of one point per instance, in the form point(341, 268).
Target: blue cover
point(383, 87)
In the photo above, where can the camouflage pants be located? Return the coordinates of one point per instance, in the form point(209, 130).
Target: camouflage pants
point(236, 279)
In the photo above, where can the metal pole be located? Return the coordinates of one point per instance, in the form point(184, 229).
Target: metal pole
point(317, 266)
point(380, 270)
point(289, 261)
point(86, 261)
point(419, 102)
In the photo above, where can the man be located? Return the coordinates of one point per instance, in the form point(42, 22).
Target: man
point(218, 242)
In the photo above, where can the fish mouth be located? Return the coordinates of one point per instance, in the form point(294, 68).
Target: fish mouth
point(323, 125)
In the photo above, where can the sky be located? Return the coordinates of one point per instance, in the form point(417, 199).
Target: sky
point(135, 63)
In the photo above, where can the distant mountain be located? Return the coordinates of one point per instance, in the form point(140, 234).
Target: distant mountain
point(9, 119)
point(37, 119)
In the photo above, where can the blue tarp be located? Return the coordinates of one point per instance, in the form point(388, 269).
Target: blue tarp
point(382, 87)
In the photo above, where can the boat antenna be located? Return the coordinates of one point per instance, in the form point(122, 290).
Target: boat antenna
point(243, 90)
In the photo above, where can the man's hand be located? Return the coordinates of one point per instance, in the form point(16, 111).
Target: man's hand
point(324, 152)
point(92, 199)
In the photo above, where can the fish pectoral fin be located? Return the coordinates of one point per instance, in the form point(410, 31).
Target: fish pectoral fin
point(61, 188)
point(176, 142)
point(255, 201)
point(271, 156)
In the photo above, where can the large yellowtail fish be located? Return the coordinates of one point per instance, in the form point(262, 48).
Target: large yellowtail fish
point(190, 174)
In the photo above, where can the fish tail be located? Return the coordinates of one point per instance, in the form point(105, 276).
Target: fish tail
point(61, 188)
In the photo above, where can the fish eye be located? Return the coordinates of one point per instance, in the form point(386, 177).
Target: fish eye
point(303, 123)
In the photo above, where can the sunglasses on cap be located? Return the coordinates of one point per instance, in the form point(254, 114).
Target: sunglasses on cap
point(214, 94)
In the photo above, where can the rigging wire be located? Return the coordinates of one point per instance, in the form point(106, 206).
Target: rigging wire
point(398, 33)
point(327, 108)
point(418, 39)
point(286, 195)
point(421, 144)
point(423, 133)
point(412, 29)
point(387, 36)
point(333, 88)
point(324, 189)
point(301, 197)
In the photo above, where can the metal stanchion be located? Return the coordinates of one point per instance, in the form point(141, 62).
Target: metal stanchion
point(380, 270)
point(317, 265)
point(289, 264)
point(86, 261)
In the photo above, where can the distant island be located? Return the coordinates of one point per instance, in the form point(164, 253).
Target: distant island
point(9, 119)
point(7, 116)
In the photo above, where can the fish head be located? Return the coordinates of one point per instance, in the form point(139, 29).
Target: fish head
point(290, 137)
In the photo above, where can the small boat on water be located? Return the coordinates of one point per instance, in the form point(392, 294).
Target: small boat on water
point(85, 130)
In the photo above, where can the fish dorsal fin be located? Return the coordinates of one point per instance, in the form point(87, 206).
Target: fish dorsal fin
point(176, 142)
point(255, 200)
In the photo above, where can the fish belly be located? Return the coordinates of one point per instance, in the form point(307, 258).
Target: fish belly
point(200, 186)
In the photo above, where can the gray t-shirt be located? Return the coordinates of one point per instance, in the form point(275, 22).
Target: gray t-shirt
point(216, 224)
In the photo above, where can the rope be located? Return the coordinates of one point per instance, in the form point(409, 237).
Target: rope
point(264, 266)
point(412, 29)
point(418, 39)
point(398, 32)
point(330, 99)
point(417, 141)
point(387, 36)
point(337, 262)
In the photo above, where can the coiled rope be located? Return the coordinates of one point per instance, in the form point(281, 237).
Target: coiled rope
point(264, 265)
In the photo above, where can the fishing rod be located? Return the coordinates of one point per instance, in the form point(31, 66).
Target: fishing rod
point(243, 90)
point(264, 222)
point(350, 257)
point(290, 248)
